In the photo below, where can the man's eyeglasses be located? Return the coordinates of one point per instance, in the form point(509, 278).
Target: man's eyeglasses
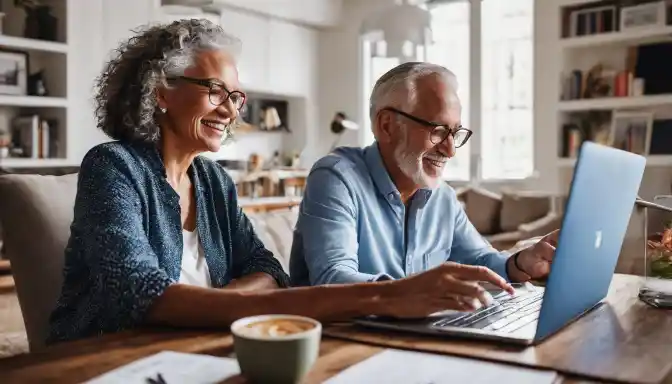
point(218, 94)
point(439, 132)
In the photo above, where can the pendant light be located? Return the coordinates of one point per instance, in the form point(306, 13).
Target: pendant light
point(404, 27)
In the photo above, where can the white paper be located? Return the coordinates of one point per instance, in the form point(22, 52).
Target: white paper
point(174, 367)
point(395, 366)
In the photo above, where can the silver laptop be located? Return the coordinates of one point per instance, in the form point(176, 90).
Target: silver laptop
point(597, 213)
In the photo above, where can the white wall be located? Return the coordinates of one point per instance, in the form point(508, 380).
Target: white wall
point(85, 63)
point(340, 72)
point(279, 58)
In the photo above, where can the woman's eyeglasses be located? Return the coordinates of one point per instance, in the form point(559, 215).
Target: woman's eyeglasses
point(439, 132)
point(218, 94)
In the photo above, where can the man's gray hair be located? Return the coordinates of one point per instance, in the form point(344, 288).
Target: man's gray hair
point(126, 105)
point(398, 85)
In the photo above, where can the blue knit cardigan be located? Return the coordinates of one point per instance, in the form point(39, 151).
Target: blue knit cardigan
point(125, 245)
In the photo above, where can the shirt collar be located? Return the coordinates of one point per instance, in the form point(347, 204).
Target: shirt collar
point(381, 178)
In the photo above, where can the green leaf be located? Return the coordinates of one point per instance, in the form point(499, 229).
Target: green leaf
point(661, 268)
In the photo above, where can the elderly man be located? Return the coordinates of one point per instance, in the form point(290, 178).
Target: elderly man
point(383, 212)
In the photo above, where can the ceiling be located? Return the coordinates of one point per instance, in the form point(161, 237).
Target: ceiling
point(315, 13)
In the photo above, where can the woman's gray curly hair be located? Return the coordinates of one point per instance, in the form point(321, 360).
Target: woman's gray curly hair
point(126, 105)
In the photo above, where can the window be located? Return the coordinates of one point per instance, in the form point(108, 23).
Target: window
point(374, 68)
point(506, 132)
point(500, 109)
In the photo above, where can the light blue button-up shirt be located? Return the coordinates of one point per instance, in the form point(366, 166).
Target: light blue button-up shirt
point(352, 226)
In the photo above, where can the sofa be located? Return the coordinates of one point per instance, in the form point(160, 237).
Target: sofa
point(504, 219)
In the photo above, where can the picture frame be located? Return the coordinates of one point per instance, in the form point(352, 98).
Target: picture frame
point(13, 72)
point(631, 131)
point(642, 16)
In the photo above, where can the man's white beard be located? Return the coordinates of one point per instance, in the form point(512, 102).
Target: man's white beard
point(411, 165)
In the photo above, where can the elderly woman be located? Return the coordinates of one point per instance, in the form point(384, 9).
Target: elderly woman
point(158, 236)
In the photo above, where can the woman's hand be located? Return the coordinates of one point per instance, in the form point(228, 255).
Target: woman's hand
point(449, 286)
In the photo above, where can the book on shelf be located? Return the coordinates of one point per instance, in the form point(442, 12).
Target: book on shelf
point(600, 83)
point(34, 137)
point(592, 21)
point(572, 137)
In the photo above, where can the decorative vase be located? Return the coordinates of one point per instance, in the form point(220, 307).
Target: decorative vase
point(657, 287)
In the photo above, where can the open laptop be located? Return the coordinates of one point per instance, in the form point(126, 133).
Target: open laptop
point(600, 202)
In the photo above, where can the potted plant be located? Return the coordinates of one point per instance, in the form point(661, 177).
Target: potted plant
point(659, 254)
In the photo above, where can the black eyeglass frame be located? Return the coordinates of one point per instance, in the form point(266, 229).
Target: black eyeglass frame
point(434, 127)
point(210, 84)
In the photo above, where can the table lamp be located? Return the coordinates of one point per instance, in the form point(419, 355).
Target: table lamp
point(339, 125)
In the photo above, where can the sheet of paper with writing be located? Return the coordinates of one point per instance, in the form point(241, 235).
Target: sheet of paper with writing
point(396, 367)
point(172, 367)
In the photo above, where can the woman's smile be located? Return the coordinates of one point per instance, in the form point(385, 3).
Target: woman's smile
point(214, 125)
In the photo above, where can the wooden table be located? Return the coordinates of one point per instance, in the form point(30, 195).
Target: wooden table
point(624, 335)
point(81, 361)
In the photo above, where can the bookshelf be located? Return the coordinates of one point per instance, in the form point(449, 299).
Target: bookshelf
point(41, 50)
point(605, 80)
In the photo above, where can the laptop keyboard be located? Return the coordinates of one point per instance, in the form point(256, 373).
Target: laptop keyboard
point(507, 314)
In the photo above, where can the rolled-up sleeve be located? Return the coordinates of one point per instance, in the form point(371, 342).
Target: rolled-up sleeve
point(328, 226)
point(249, 254)
point(469, 247)
point(107, 236)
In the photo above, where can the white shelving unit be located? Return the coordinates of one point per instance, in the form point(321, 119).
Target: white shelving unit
point(610, 49)
point(612, 103)
point(651, 161)
point(52, 59)
point(33, 101)
point(26, 44)
point(616, 38)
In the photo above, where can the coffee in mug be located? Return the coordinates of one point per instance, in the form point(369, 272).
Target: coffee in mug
point(276, 327)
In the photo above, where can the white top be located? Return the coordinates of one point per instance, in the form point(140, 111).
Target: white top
point(194, 268)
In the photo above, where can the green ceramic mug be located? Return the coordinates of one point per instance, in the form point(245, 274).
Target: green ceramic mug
point(276, 348)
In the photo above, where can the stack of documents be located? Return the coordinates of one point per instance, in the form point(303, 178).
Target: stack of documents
point(403, 367)
point(172, 367)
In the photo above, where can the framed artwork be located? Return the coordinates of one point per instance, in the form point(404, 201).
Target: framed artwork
point(13, 72)
point(631, 131)
point(647, 15)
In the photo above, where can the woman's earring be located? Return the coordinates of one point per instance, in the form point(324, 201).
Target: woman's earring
point(163, 110)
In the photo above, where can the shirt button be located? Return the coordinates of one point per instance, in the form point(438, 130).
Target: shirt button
point(390, 195)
